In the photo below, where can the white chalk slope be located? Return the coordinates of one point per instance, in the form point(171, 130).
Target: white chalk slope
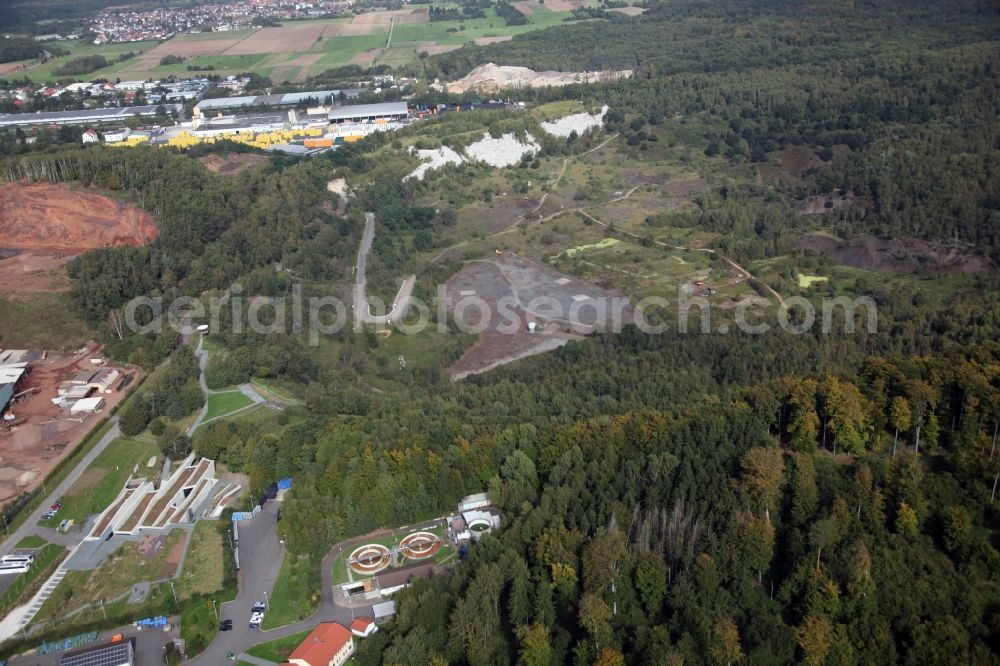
point(434, 159)
point(578, 122)
point(508, 149)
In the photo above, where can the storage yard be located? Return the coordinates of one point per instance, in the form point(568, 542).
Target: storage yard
point(48, 408)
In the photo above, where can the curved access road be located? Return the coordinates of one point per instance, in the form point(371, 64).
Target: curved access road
point(362, 312)
point(261, 553)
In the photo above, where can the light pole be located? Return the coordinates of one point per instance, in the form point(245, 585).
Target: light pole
point(215, 610)
point(265, 599)
point(173, 591)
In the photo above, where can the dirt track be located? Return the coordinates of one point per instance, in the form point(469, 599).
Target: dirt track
point(56, 217)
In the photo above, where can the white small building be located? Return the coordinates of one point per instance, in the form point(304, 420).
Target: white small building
point(477, 501)
point(87, 406)
point(363, 627)
point(384, 611)
point(90, 136)
point(117, 135)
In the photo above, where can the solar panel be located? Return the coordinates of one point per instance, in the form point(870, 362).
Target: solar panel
point(116, 654)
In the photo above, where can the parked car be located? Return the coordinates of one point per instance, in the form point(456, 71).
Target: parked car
point(255, 620)
point(259, 607)
point(226, 625)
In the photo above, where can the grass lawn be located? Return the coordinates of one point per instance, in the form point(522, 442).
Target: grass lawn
point(296, 592)
point(203, 581)
point(33, 541)
point(278, 649)
point(220, 404)
point(104, 479)
point(203, 566)
point(113, 577)
point(45, 321)
point(46, 559)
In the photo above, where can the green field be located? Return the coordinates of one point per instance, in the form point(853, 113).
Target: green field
point(296, 592)
point(226, 402)
point(115, 576)
point(278, 649)
point(101, 482)
point(42, 73)
point(45, 321)
point(203, 567)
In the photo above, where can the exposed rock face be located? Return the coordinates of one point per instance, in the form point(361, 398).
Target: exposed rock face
point(485, 78)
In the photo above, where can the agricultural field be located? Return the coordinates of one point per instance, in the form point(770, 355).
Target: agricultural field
point(300, 49)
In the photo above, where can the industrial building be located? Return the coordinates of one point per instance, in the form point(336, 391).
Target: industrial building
point(369, 113)
point(234, 125)
point(84, 117)
point(13, 368)
point(287, 99)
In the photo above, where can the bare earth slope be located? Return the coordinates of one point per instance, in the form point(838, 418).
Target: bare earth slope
point(55, 217)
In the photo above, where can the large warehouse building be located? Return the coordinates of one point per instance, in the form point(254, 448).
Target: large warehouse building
point(367, 113)
point(84, 117)
point(207, 106)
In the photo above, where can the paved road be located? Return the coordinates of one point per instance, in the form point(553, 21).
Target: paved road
point(362, 315)
point(30, 526)
point(261, 553)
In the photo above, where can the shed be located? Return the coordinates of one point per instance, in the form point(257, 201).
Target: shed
point(87, 406)
point(384, 611)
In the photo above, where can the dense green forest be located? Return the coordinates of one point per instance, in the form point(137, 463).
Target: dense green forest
point(692, 536)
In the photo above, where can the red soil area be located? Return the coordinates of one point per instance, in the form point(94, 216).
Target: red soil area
point(42, 434)
point(56, 217)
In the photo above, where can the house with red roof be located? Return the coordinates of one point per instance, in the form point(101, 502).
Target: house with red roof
point(329, 644)
point(363, 627)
